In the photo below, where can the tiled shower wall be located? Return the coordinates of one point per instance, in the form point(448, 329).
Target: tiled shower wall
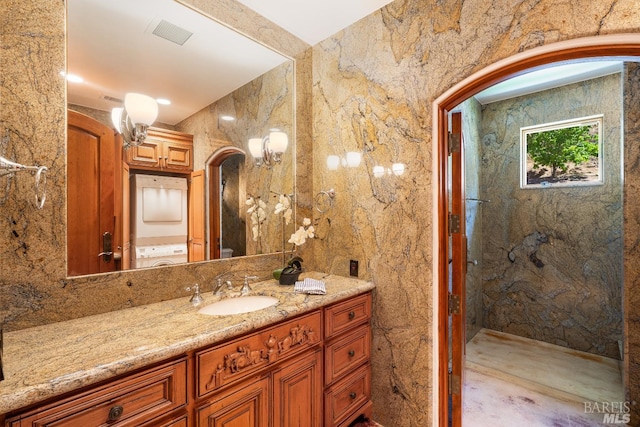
point(552, 257)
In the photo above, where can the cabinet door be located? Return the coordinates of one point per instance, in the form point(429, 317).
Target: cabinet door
point(246, 405)
point(146, 155)
point(178, 157)
point(297, 392)
point(196, 236)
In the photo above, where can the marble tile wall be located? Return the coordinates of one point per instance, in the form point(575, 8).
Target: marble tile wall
point(474, 208)
point(266, 102)
point(631, 293)
point(552, 257)
point(374, 84)
point(368, 88)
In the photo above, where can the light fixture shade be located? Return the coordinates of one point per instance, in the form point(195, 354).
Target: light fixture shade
point(141, 109)
point(397, 169)
point(353, 159)
point(116, 118)
point(255, 147)
point(278, 142)
point(333, 162)
point(378, 171)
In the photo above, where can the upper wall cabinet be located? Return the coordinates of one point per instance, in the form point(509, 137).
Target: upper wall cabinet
point(163, 150)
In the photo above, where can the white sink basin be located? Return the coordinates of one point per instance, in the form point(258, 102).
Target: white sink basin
point(238, 305)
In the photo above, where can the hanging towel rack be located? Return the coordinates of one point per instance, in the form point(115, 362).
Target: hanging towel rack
point(8, 167)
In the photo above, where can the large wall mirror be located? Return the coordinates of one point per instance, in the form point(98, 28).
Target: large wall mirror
point(194, 180)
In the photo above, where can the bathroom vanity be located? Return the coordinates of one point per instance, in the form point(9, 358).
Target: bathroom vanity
point(304, 361)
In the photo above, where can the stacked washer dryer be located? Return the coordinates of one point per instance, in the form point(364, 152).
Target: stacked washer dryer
point(158, 220)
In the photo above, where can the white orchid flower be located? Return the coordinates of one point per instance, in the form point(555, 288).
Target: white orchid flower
point(287, 216)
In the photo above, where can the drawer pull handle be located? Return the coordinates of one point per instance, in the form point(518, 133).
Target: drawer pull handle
point(352, 395)
point(352, 315)
point(115, 412)
point(352, 353)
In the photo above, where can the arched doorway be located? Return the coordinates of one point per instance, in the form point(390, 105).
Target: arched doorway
point(623, 45)
point(216, 189)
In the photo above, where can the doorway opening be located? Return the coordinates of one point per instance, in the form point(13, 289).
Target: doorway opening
point(621, 46)
point(225, 197)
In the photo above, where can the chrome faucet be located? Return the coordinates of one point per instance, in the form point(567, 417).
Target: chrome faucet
point(196, 299)
point(245, 287)
point(217, 288)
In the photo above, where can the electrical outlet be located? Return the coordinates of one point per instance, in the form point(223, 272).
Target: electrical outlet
point(353, 268)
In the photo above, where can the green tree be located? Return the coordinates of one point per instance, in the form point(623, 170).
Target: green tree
point(559, 147)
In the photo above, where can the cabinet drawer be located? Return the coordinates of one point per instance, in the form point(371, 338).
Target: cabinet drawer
point(346, 396)
point(127, 402)
point(232, 361)
point(346, 353)
point(342, 316)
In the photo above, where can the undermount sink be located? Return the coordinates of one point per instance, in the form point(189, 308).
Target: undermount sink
point(245, 304)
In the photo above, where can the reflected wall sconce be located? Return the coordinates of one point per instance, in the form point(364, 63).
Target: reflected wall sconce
point(132, 121)
point(396, 169)
point(351, 160)
point(268, 150)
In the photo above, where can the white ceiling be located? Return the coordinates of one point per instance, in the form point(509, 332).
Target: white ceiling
point(111, 46)
point(547, 78)
point(314, 21)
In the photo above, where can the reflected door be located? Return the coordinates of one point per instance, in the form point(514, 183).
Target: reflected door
point(91, 214)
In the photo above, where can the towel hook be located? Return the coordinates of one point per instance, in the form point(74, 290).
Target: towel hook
point(324, 200)
point(10, 167)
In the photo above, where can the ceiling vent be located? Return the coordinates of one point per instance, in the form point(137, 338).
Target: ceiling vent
point(172, 32)
point(112, 99)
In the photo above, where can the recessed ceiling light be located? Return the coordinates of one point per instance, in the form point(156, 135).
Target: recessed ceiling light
point(163, 101)
point(73, 78)
point(227, 118)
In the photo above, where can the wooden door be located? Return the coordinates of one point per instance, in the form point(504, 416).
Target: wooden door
point(90, 194)
point(456, 302)
point(246, 405)
point(126, 217)
point(297, 392)
point(196, 237)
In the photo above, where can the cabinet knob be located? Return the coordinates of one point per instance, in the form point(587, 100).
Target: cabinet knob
point(352, 395)
point(352, 315)
point(352, 353)
point(115, 412)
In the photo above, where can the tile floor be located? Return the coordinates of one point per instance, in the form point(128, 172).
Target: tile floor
point(512, 381)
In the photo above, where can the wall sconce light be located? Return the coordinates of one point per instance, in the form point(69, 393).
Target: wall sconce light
point(132, 121)
point(351, 160)
point(396, 169)
point(268, 150)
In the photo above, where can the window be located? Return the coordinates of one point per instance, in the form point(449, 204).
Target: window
point(566, 153)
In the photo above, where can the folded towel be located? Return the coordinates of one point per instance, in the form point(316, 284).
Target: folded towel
point(310, 286)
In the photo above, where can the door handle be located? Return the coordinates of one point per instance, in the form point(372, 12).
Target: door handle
point(107, 251)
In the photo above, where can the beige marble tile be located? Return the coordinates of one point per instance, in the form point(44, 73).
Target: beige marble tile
point(572, 372)
point(510, 380)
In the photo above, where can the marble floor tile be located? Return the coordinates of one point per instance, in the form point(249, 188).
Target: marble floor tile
point(514, 381)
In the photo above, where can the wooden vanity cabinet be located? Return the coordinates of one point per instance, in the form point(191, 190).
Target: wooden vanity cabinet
point(162, 150)
point(279, 368)
point(309, 371)
point(347, 352)
point(156, 396)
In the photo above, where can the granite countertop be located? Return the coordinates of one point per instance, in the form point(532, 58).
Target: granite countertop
point(49, 360)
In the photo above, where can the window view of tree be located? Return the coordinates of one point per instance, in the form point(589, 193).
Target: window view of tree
point(563, 155)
